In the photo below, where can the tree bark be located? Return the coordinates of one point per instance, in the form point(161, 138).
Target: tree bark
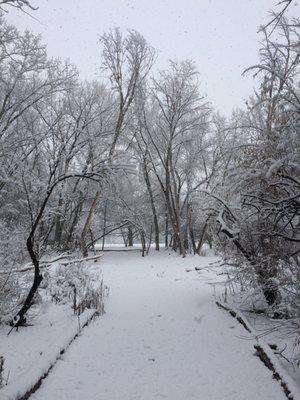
point(58, 222)
point(104, 224)
point(166, 230)
point(270, 291)
point(83, 243)
point(143, 241)
point(200, 243)
point(19, 319)
point(153, 208)
point(129, 236)
point(190, 229)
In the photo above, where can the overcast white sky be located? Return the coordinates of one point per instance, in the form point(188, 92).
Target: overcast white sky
point(219, 35)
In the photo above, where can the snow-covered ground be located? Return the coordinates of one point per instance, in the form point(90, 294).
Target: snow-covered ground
point(30, 352)
point(162, 337)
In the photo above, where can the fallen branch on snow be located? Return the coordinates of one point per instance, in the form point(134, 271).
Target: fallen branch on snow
point(43, 264)
point(265, 353)
point(235, 315)
point(95, 258)
point(47, 263)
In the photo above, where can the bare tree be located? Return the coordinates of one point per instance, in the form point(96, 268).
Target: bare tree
point(127, 60)
point(260, 196)
point(179, 120)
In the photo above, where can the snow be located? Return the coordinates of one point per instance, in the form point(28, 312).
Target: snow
point(292, 385)
point(281, 333)
point(121, 247)
point(30, 352)
point(274, 167)
point(224, 226)
point(162, 337)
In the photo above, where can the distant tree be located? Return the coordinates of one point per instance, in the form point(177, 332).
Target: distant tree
point(127, 60)
point(173, 130)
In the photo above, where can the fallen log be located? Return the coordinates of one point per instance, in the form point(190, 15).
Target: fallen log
point(235, 315)
point(94, 258)
point(43, 264)
point(47, 263)
point(265, 353)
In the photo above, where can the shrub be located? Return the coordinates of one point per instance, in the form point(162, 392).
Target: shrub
point(74, 284)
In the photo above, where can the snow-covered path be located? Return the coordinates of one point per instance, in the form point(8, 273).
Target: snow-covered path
point(162, 337)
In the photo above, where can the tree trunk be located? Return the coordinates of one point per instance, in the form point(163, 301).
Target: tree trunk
point(150, 241)
point(83, 241)
point(20, 318)
point(124, 237)
point(166, 230)
point(58, 222)
point(92, 246)
point(270, 290)
point(143, 241)
point(200, 243)
point(130, 236)
point(104, 224)
point(77, 212)
point(153, 208)
point(190, 227)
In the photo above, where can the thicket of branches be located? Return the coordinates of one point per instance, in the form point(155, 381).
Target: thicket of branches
point(259, 192)
point(148, 157)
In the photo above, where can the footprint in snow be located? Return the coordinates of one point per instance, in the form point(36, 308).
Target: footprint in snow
point(199, 319)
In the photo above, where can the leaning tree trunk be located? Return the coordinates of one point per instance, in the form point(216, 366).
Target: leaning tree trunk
point(19, 319)
point(270, 290)
point(88, 222)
